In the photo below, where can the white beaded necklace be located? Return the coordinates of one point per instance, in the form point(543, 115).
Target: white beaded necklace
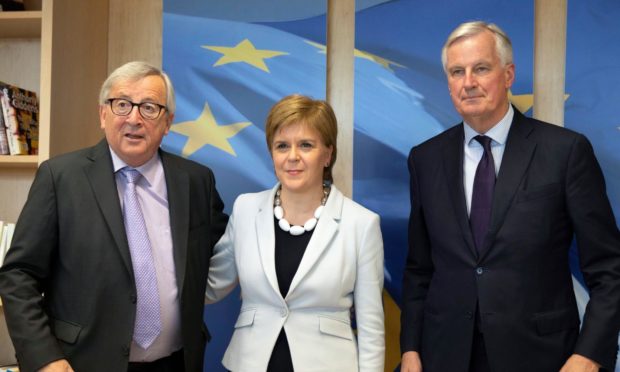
point(295, 230)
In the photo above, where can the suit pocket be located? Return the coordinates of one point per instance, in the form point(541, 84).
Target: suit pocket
point(539, 192)
point(335, 327)
point(556, 321)
point(245, 318)
point(66, 331)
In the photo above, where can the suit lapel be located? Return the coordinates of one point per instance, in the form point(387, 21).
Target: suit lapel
point(453, 165)
point(324, 232)
point(267, 240)
point(100, 174)
point(177, 183)
point(517, 156)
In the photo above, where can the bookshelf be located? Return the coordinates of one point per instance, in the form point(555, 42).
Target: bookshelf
point(26, 24)
point(60, 51)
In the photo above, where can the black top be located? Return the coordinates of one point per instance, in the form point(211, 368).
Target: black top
point(289, 251)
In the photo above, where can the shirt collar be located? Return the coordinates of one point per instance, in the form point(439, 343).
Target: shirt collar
point(148, 169)
point(498, 133)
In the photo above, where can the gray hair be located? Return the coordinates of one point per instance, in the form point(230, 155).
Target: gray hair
point(133, 71)
point(503, 45)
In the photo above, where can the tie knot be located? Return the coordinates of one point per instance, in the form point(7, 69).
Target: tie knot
point(484, 141)
point(132, 175)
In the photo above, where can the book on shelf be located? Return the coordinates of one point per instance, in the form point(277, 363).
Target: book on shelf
point(20, 109)
point(11, 5)
point(4, 143)
point(6, 236)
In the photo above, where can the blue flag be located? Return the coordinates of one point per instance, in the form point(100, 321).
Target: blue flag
point(231, 61)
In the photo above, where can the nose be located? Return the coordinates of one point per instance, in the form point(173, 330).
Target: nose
point(293, 154)
point(134, 116)
point(470, 80)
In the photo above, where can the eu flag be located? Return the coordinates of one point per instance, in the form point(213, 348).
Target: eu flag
point(231, 61)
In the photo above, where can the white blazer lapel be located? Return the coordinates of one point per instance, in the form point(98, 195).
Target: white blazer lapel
point(324, 232)
point(266, 239)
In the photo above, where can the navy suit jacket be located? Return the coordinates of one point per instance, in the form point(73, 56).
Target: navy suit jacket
point(67, 282)
point(549, 189)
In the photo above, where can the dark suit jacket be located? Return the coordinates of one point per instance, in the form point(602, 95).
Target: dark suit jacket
point(70, 245)
point(549, 189)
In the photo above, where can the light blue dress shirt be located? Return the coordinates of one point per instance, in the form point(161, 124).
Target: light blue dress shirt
point(153, 197)
point(473, 151)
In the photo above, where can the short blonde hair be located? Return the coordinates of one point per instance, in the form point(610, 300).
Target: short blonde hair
point(316, 114)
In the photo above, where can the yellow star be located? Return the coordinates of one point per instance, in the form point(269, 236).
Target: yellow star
point(386, 63)
point(244, 52)
point(205, 131)
point(524, 102)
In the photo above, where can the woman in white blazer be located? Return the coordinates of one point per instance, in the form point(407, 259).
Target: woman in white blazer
point(304, 255)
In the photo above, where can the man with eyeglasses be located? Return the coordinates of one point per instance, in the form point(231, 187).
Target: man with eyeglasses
point(109, 260)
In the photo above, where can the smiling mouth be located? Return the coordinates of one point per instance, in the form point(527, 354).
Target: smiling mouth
point(133, 136)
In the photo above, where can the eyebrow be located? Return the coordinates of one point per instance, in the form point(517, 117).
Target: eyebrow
point(128, 98)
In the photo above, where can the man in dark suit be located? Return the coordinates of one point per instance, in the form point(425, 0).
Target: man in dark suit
point(107, 269)
point(495, 203)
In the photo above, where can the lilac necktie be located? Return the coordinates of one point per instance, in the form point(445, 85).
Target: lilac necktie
point(482, 196)
point(148, 322)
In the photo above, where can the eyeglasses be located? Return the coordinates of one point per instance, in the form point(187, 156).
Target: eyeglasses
point(123, 107)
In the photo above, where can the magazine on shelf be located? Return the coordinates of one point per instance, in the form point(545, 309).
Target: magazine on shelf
point(20, 108)
point(6, 236)
point(4, 143)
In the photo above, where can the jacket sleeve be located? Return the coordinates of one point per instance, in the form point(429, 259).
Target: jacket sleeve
point(598, 244)
point(26, 270)
point(368, 301)
point(223, 277)
point(218, 218)
point(418, 270)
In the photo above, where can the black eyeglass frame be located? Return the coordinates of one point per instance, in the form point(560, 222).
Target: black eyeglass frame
point(110, 101)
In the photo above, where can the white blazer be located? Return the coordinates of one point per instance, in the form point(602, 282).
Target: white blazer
point(342, 266)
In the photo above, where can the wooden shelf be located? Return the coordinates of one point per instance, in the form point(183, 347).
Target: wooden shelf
point(19, 161)
point(20, 24)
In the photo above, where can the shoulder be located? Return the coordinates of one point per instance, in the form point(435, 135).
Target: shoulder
point(75, 161)
point(174, 162)
point(253, 200)
point(436, 143)
point(353, 211)
point(546, 135)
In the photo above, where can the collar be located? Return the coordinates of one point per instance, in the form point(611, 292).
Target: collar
point(498, 133)
point(148, 169)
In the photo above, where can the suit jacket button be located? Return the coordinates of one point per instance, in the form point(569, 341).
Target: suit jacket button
point(283, 312)
point(125, 350)
point(469, 315)
point(479, 271)
point(133, 298)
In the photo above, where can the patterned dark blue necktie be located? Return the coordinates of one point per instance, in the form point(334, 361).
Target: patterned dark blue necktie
point(482, 196)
